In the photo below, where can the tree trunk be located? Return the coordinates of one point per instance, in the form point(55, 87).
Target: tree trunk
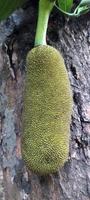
point(72, 38)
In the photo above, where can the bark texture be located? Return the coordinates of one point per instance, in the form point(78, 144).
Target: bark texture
point(72, 38)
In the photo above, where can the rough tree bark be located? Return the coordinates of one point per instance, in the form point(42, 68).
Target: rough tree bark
point(72, 38)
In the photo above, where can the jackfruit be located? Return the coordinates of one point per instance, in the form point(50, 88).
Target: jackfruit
point(47, 111)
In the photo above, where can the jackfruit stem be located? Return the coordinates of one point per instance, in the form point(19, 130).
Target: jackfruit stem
point(45, 7)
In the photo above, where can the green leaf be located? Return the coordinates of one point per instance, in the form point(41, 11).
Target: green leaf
point(65, 5)
point(84, 3)
point(8, 6)
point(82, 8)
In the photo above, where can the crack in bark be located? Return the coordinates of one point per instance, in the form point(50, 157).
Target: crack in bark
point(8, 49)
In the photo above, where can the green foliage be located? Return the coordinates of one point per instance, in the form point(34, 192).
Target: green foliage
point(47, 111)
point(8, 6)
point(83, 7)
point(65, 5)
point(84, 3)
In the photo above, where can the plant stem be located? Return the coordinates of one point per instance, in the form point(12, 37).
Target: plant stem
point(45, 7)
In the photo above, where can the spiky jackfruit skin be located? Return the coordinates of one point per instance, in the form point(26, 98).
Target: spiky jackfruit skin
point(47, 111)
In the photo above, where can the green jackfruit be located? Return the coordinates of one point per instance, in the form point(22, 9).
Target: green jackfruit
point(47, 111)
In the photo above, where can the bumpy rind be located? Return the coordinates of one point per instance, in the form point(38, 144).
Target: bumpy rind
point(47, 111)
